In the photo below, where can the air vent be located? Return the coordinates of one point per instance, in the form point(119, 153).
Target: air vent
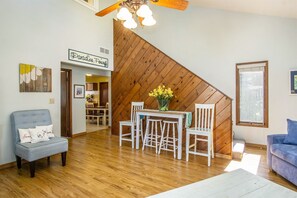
point(103, 50)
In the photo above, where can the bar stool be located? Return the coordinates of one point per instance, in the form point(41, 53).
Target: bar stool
point(168, 140)
point(131, 123)
point(152, 134)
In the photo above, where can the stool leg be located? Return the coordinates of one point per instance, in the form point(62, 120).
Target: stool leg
point(132, 134)
point(187, 146)
point(167, 136)
point(156, 136)
point(146, 134)
point(195, 148)
point(151, 134)
point(174, 147)
point(121, 132)
point(208, 150)
point(212, 145)
point(141, 130)
point(162, 138)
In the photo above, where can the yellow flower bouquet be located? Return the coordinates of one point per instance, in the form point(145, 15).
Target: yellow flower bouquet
point(163, 95)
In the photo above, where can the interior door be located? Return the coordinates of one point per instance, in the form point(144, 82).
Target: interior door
point(66, 110)
point(103, 86)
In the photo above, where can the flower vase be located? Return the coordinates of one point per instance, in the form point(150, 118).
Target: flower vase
point(163, 104)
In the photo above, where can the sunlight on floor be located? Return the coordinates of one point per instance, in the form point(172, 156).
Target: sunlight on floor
point(249, 162)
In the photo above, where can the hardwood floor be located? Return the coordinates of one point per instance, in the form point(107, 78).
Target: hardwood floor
point(98, 167)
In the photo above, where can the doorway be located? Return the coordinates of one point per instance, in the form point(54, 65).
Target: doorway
point(66, 110)
point(97, 102)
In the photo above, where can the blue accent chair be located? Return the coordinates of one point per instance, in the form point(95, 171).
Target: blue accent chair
point(32, 152)
point(282, 158)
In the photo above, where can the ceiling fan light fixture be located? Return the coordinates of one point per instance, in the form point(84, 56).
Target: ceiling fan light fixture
point(130, 23)
point(149, 21)
point(144, 11)
point(124, 14)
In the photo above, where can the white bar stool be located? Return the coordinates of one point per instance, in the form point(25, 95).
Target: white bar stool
point(168, 140)
point(131, 123)
point(152, 133)
point(203, 131)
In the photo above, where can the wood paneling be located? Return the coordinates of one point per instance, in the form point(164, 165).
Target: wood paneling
point(140, 67)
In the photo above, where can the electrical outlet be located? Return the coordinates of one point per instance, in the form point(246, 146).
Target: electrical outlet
point(52, 101)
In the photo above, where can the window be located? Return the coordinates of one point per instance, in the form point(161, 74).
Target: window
point(252, 94)
point(92, 4)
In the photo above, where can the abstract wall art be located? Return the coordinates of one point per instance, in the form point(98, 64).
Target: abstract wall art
point(35, 79)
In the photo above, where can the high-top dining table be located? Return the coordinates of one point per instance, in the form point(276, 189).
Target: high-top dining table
point(179, 115)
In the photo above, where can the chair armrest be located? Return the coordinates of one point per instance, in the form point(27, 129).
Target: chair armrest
point(273, 139)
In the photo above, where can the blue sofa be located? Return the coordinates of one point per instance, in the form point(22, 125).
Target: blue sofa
point(32, 152)
point(281, 157)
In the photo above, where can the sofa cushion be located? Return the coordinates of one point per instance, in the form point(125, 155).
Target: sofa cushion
point(32, 152)
point(286, 152)
point(291, 138)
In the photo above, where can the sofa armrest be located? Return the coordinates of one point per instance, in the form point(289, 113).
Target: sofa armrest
point(273, 139)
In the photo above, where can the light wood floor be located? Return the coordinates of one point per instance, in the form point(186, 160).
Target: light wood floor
point(98, 167)
point(92, 127)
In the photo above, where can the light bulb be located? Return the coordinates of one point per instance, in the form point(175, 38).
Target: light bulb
point(144, 11)
point(149, 21)
point(124, 14)
point(130, 24)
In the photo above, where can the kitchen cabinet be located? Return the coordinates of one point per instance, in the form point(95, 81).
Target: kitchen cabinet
point(92, 86)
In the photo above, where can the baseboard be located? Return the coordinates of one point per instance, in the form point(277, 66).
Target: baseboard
point(11, 164)
point(78, 134)
point(8, 165)
point(219, 155)
point(259, 146)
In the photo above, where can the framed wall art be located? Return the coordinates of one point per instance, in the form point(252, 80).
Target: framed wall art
point(35, 79)
point(79, 91)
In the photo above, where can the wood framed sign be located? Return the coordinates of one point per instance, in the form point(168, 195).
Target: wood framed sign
point(293, 82)
point(86, 58)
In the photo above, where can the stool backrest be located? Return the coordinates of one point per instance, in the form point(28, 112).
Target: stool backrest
point(134, 107)
point(204, 117)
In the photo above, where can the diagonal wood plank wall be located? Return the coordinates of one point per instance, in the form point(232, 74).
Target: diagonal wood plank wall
point(140, 67)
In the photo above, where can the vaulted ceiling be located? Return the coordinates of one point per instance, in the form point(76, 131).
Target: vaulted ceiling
point(282, 8)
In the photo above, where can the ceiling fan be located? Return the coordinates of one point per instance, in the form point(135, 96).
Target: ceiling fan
point(130, 9)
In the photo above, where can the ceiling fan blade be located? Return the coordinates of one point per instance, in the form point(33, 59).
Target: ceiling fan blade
point(175, 4)
point(109, 9)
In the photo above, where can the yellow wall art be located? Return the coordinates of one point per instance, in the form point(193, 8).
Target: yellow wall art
point(35, 79)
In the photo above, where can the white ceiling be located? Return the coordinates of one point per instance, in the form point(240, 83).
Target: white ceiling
point(282, 8)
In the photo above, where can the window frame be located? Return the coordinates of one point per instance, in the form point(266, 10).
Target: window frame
point(265, 99)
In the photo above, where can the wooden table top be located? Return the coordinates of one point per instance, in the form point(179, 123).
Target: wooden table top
point(162, 112)
point(96, 108)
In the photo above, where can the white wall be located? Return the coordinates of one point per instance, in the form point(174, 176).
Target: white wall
point(210, 42)
point(79, 105)
point(40, 33)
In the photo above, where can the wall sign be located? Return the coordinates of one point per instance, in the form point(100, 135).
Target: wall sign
point(83, 57)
